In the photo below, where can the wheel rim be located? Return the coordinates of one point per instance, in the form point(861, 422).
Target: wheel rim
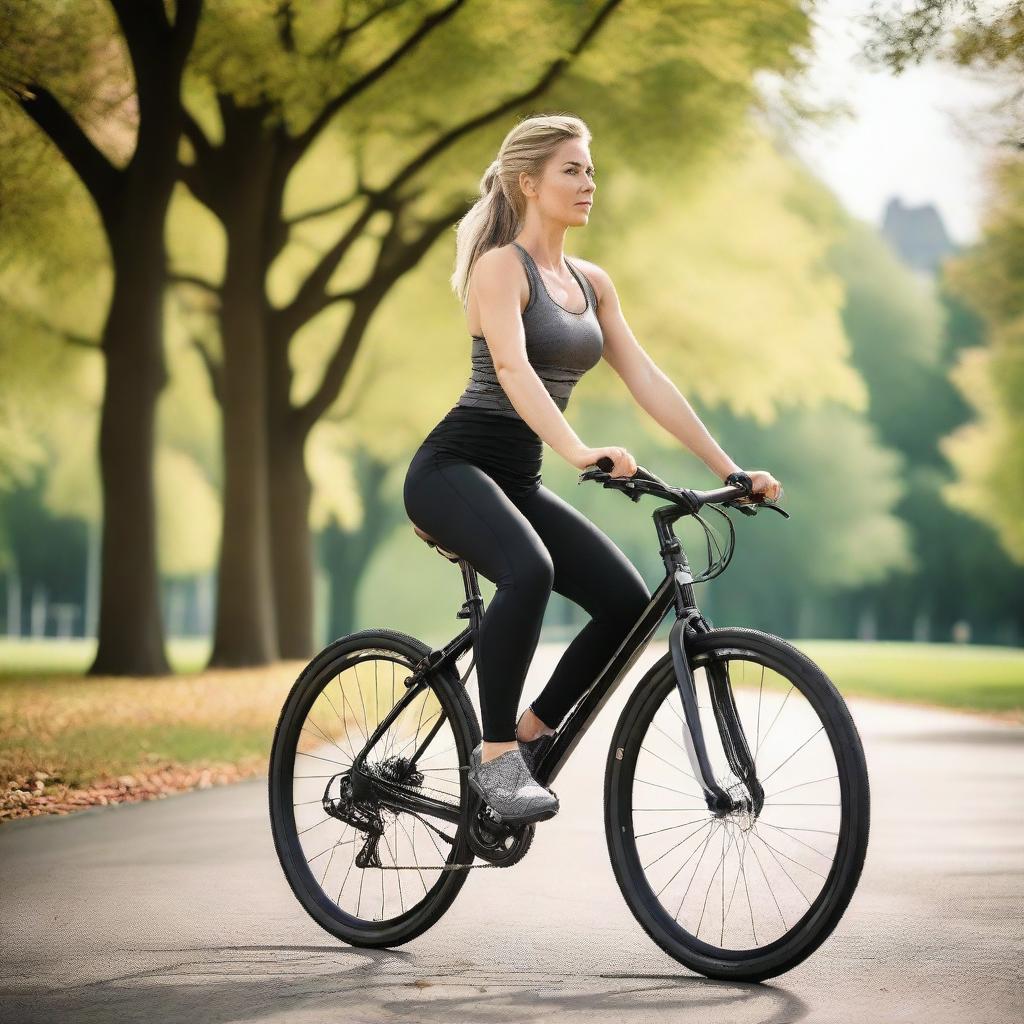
point(339, 714)
point(741, 886)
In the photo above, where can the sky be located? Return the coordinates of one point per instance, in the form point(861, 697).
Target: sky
point(908, 136)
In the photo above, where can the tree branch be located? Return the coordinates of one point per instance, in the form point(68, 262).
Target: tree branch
point(551, 74)
point(145, 29)
point(193, 131)
point(392, 263)
point(284, 19)
point(209, 287)
point(311, 296)
point(71, 337)
point(336, 42)
point(186, 23)
point(97, 173)
point(214, 370)
point(322, 211)
point(304, 139)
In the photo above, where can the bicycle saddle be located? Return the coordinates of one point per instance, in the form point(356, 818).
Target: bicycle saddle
point(430, 542)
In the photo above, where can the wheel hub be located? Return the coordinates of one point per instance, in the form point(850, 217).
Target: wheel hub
point(742, 814)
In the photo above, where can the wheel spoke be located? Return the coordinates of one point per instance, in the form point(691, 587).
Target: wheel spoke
point(327, 730)
point(737, 862)
point(795, 752)
point(674, 767)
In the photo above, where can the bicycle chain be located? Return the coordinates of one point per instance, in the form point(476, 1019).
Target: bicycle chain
point(446, 867)
point(434, 828)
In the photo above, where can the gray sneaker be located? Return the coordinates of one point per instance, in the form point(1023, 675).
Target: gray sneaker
point(533, 751)
point(507, 787)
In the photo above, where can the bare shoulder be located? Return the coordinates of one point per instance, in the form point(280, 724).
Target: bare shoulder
point(599, 278)
point(498, 271)
point(497, 262)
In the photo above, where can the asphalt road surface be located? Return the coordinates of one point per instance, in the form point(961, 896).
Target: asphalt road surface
point(177, 910)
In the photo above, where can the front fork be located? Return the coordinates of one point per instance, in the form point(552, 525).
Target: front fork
point(734, 742)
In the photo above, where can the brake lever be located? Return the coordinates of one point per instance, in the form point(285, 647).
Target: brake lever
point(775, 508)
point(749, 508)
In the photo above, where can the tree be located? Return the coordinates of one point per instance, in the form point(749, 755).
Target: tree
point(957, 32)
point(989, 452)
point(374, 96)
point(58, 73)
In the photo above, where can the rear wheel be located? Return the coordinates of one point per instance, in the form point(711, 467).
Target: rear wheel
point(367, 874)
point(750, 894)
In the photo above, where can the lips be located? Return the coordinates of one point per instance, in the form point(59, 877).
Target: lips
point(585, 202)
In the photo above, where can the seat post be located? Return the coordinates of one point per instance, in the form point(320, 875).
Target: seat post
point(469, 579)
point(472, 607)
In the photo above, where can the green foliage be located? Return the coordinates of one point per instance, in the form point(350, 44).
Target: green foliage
point(895, 323)
point(988, 453)
point(987, 37)
point(726, 284)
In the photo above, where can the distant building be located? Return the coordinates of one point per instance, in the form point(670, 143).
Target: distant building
point(918, 235)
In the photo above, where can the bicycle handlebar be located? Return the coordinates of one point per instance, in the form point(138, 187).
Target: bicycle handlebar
point(643, 481)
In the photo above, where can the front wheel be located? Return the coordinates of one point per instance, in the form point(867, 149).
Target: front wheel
point(749, 894)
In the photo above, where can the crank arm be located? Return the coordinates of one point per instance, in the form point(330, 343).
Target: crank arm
point(717, 799)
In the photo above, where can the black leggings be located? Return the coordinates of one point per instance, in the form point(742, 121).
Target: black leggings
point(527, 545)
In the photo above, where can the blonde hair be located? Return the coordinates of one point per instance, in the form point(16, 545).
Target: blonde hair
point(497, 216)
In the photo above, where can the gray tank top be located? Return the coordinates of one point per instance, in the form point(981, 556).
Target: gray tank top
point(561, 345)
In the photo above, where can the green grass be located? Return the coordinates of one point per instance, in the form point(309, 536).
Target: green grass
point(951, 675)
point(77, 731)
point(46, 657)
point(80, 756)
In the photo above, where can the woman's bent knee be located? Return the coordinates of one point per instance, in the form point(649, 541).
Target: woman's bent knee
point(534, 574)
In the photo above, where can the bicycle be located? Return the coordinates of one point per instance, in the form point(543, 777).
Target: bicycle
point(407, 766)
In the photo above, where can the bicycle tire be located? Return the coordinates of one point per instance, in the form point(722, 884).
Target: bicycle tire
point(824, 914)
point(455, 701)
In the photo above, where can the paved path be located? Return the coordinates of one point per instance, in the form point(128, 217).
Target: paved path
point(177, 911)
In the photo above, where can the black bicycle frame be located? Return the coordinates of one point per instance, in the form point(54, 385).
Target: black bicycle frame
point(675, 590)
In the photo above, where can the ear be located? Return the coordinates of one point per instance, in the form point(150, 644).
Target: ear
point(526, 184)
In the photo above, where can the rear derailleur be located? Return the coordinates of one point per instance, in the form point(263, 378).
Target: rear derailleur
point(499, 844)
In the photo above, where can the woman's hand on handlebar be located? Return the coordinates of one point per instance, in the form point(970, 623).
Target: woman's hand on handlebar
point(762, 482)
point(624, 463)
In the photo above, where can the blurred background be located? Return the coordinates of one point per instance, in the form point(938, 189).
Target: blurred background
point(226, 325)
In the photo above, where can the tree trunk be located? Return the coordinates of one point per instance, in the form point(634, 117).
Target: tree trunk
point(336, 547)
point(245, 632)
point(346, 555)
point(291, 543)
point(132, 202)
point(130, 631)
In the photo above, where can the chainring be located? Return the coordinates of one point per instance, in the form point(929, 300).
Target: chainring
point(498, 844)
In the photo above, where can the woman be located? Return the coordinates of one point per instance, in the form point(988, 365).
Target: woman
point(538, 322)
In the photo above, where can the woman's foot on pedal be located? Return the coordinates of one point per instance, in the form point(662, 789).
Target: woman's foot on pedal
point(505, 784)
point(534, 750)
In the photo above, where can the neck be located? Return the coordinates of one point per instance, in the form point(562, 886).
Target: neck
point(545, 242)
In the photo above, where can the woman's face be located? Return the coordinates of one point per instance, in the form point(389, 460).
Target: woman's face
point(565, 191)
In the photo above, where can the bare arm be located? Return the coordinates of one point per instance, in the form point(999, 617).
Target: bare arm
point(496, 278)
point(653, 391)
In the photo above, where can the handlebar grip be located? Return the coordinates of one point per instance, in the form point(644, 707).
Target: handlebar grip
point(605, 464)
